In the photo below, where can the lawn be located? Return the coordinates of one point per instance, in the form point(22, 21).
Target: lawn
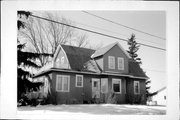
point(95, 109)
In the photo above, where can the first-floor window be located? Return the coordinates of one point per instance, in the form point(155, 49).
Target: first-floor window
point(116, 85)
point(62, 83)
point(79, 80)
point(136, 87)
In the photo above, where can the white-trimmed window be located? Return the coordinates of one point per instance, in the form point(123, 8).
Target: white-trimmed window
point(116, 85)
point(104, 85)
point(120, 63)
point(111, 62)
point(79, 80)
point(62, 60)
point(62, 83)
point(136, 87)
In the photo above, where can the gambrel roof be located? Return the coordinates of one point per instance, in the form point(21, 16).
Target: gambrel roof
point(77, 56)
point(82, 60)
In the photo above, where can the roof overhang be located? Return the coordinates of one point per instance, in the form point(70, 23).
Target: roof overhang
point(89, 73)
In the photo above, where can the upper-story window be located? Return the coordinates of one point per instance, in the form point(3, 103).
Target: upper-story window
point(136, 87)
point(120, 63)
point(111, 62)
point(79, 80)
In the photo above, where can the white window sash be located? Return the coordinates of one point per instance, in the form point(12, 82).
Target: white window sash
point(63, 83)
point(111, 62)
point(120, 66)
point(136, 82)
point(78, 81)
point(117, 81)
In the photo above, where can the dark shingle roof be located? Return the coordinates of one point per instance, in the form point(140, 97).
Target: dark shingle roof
point(77, 56)
point(135, 69)
point(80, 60)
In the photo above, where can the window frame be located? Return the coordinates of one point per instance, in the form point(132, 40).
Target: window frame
point(113, 62)
point(77, 80)
point(118, 59)
point(106, 85)
point(120, 85)
point(136, 93)
point(63, 76)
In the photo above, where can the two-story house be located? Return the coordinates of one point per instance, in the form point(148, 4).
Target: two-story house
point(80, 75)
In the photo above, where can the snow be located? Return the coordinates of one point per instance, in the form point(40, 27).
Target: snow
point(94, 109)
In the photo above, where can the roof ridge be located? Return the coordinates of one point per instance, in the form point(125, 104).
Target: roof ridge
point(77, 47)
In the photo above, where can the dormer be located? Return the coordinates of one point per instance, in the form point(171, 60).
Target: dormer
point(112, 58)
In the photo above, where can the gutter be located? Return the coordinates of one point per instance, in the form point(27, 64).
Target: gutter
point(83, 72)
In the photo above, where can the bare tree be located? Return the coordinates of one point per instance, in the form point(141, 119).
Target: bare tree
point(45, 36)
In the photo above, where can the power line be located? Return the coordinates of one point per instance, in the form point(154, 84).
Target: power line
point(154, 70)
point(124, 25)
point(114, 32)
point(95, 32)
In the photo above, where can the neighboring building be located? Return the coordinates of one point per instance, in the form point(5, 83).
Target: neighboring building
point(158, 97)
point(81, 75)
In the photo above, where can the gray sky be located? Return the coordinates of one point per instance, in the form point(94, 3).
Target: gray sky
point(152, 22)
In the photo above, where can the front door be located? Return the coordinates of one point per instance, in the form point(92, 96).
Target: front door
point(95, 88)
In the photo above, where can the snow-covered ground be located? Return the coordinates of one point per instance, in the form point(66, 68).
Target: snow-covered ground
point(94, 109)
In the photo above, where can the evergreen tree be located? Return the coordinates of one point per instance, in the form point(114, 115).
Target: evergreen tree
point(25, 59)
point(133, 49)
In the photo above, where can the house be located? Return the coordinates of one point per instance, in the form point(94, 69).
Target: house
point(81, 75)
point(158, 97)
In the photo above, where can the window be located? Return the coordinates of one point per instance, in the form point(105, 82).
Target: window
point(136, 87)
point(62, 83)
point(104, 85)
point(125, 87)
point(116, 85)
point(120, 63)
point(62, 60)
point(111, 61)
point(79, 80)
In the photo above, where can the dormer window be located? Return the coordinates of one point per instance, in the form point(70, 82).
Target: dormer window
point(120, 63)
point(111, 62)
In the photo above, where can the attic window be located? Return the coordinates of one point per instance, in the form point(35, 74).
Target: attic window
point(136, 87)
point(62, 60)
point(120, 63)
point(111, 62)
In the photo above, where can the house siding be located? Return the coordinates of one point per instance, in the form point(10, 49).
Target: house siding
point(135, 98)
point(116, 52)
point(78, 95)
